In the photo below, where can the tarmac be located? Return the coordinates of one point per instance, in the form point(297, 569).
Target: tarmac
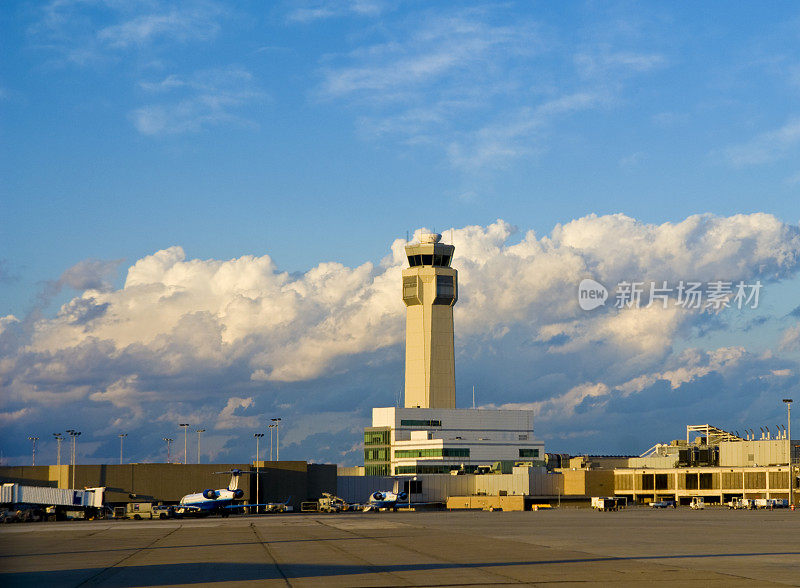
point(580, 547)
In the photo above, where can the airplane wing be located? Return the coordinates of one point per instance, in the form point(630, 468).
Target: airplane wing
point(273, 504)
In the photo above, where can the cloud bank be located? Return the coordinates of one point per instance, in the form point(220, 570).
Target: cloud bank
point(227, 343)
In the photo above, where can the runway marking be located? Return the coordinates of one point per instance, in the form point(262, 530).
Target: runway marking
point(506, 579)
point(96, 578)
point(268, 551)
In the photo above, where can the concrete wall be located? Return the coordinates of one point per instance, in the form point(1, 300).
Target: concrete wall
point(439, 487)
point(168, 482)
point(657, 461)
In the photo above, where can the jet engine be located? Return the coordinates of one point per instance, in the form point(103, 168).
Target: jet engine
point(377, 496)
point(209, 493)
point(238, 493)
point(402, 496)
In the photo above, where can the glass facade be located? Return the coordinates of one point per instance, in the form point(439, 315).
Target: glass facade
point(377, 470)
point(378, 436)
point(529, 453)
point(435, 452)
point(433, 469)
point(376, 451)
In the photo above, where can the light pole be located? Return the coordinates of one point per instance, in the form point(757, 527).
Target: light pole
point(59, 439)
point(34, 440)
point(121, 439)
point(74, 438)
point(258, 494)
point(169, 442)
point(198, 443)
point(185, 437)
point(271, 438)
point(788, 402)
point(277, 422)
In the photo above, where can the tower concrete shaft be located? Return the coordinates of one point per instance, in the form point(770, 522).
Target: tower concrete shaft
point(430, 289)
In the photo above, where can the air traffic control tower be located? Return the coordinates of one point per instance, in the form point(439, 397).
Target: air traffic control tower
point(430, 289)
point(429, 435)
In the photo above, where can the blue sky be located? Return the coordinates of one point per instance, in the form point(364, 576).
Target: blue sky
point(318, 133)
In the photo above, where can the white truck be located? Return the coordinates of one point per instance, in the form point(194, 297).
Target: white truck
point(605, 503)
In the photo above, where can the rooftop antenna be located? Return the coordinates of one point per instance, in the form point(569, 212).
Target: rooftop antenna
point(406, 236)
point(473, 396)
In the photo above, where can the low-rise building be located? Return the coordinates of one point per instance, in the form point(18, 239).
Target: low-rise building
point(408, 441)
point(717, 465)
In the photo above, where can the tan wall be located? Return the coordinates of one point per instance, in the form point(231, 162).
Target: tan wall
point(622, 482)
point(507, 503)
point(753, 453)
point(779, 480)
point(713, 482)
point(588, 482)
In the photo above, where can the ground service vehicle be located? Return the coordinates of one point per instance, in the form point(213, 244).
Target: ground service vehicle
point(601, 503)
point(139, 511)
point(331, 503)
point(697, 503)
point(663, 504)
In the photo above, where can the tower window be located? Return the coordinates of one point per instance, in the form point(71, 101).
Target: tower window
point(437, 260)
point(445, 261)
point(427, 259)
point(410, 290)
point(445, 290)
point(411, 261)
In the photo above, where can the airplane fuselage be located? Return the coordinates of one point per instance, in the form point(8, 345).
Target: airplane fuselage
point(202, 503)
point(378, 500)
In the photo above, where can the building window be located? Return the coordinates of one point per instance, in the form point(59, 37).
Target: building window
point(433, 452)
point(376, 437)
point(427, 259)
point(376, 454)
point(445, 260)
point(419, 423)
point(529, 453)
point(424, 469)
point(377, 470)
point(523, 437)
point(410, 288)
point(445, 290)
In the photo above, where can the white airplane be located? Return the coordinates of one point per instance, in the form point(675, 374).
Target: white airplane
point(385, 499)
point(213, 501)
